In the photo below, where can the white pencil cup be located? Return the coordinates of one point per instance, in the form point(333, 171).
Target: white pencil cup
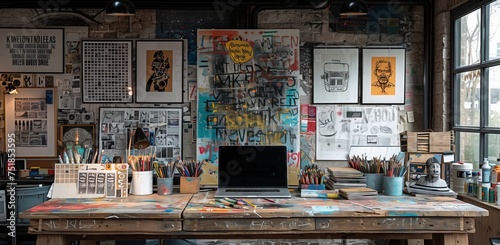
point(142, 183)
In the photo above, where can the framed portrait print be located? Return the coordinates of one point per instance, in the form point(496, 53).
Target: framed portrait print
point(335, 75)
point(383, 76)
point(30, 117)
point(161, 71)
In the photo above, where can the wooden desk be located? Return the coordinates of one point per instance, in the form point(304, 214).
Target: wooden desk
point(486, 227)
point(176, 216)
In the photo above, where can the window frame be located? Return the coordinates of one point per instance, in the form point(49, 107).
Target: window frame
point(483, 130)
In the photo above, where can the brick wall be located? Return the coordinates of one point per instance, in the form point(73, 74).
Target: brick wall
point(314, 28)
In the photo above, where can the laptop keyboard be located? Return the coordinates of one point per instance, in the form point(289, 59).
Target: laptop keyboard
point(252, 190)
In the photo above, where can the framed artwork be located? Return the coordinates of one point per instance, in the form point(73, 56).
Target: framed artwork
point(240, 104)
point(335, 75)
point(383, 76)
point(161, 71)
point(107, 71)
point(162, 126)
point(39, 50)
point(77, 134)
point(30, 116)
point(339, 128)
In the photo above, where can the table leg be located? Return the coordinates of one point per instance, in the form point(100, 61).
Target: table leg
point(450, 239)
point(415, 241)
point(51, 240)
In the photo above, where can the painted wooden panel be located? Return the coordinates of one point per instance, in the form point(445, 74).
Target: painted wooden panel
point(140, 207)
point(248, 93)
point(382, 206)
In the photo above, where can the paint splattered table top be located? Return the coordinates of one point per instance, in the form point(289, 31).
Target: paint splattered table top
point(149, 206)
point(406, 206)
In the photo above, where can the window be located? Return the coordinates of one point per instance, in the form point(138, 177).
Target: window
point(476, 81)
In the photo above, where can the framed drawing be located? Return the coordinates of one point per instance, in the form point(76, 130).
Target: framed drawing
point(162, 126)
point(107, 71)
point(335, 75)
point(383, 76)
point(30, 116)
point(26, 50)
point(77, 134)
point(161, 71)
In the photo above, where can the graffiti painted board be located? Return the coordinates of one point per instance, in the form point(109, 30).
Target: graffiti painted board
point(248, 94)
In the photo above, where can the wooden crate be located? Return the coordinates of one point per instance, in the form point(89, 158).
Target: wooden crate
point(427, 141)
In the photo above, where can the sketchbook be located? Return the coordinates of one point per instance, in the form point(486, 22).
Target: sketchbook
point(358, 193)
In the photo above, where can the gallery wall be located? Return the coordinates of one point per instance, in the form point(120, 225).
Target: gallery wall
point(317, 28)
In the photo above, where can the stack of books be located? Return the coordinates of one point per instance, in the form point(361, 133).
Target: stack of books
point(345, 177)
point(319, 193)
point(358, 193)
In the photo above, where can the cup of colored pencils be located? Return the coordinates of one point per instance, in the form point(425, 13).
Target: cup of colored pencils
point(312, 177)
point(190, 172)
point(165, 177)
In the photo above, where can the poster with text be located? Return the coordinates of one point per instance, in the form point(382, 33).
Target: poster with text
point(26, 50)
point(248, 94)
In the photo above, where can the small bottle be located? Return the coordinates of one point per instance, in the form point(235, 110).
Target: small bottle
point(485, 191)
point(497, 192)
point(477, 183)
point(479, 194)
point(486, 171)
point(468, 177)
point(495, 173)
point(472, 184)
point(491, 195)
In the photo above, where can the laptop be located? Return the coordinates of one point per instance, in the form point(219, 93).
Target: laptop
point(253, 171)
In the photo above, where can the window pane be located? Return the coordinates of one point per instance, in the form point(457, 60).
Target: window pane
point(494, 30)
point(493, 73)
point(469, 97)
point(493, 147)
point(469, 31)
point(469, 148)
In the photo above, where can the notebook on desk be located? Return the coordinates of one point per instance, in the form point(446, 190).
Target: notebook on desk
point(252, 171)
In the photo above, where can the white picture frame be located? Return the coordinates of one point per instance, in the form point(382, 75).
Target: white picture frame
point(377, 63)
point(31, 50)
point(31, 122)
point(335, 75)
point(161, 71)
point(107, 71)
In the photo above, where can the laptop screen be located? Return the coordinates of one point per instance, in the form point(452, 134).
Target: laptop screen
point(252, 166)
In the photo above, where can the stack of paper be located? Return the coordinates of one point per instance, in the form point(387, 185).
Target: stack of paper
point(358, 193)
point(345, 177)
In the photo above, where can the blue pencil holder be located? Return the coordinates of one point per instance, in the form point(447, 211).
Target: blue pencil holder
point(393, 186)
